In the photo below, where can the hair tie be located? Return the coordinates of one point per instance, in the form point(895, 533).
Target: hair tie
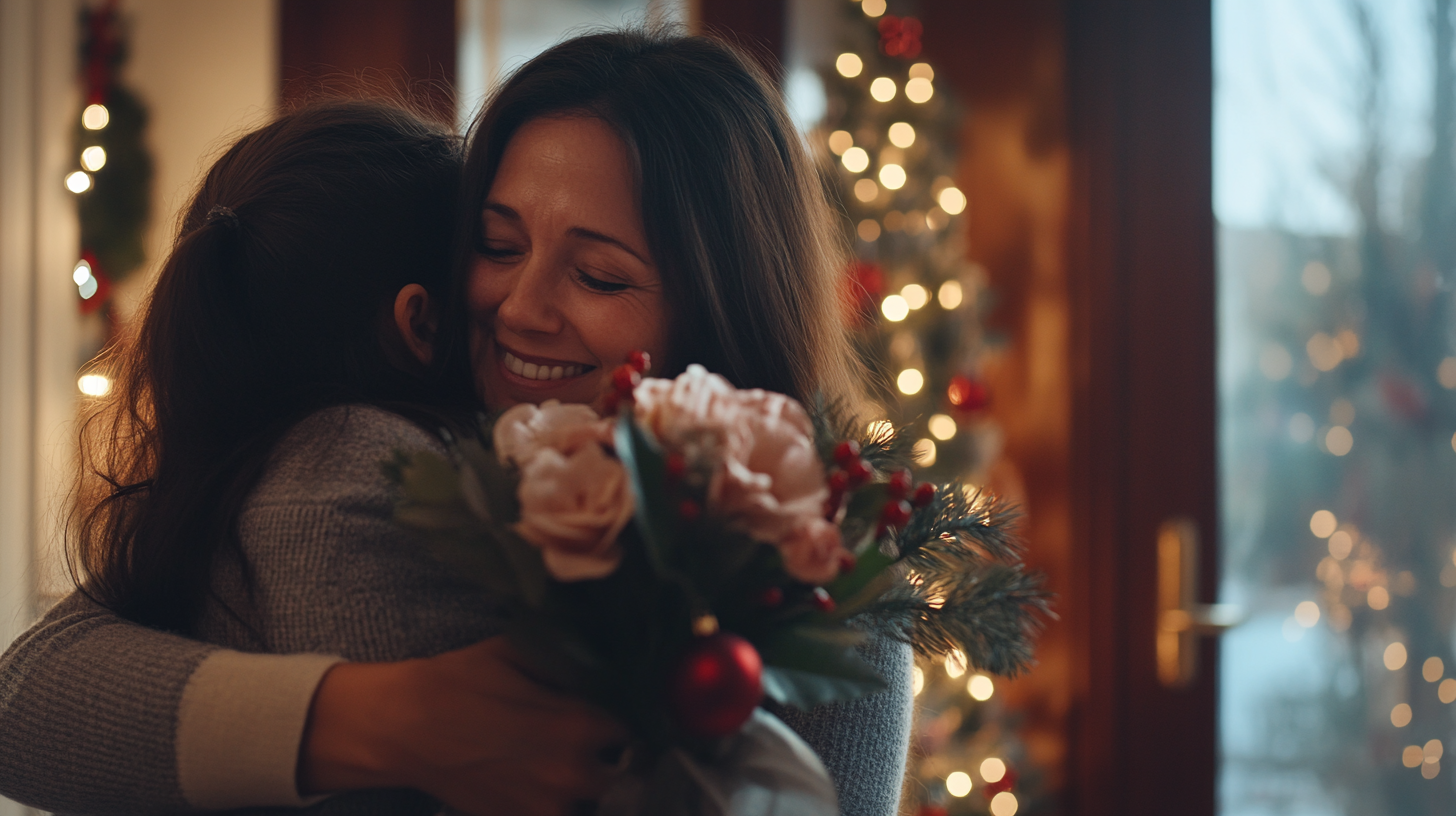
point(224, 214)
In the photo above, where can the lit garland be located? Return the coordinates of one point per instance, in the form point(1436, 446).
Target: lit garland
point(113, 182)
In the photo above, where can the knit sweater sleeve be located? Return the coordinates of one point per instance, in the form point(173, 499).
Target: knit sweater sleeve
point(92, 708)
point(864, 743)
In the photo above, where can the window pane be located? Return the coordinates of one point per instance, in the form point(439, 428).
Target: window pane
point(1335, 192)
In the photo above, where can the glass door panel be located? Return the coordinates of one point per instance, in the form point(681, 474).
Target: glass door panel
point(1335, 193)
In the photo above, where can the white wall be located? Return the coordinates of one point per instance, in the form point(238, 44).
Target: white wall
point(208, 70)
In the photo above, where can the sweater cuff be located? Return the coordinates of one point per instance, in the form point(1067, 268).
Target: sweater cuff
point(240, 727)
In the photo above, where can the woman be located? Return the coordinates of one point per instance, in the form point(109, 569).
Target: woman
point(626, 191)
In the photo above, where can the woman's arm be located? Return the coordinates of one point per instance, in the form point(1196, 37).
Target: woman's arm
point(94, 707)
point(864, 743)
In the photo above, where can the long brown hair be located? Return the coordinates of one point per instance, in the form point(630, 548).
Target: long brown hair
point(734, 214)
point(274, 302)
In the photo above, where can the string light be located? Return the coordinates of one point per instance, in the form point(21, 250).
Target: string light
point(85, 280)
point(895, 308)
point(993, 769)
point(1395, 656)
point(955, 663)
point(1323, 523)
point(855, 159)
point(867, 190)
point(950, 294)
point(942, 427)
point(981, 687)
point(873, 8)
point(840, 141)
point(82, 272)
point(883, 89)
point(924, 453)
point(919, 90)
point(910, 381)
point(849, 65)
point(869, 230)
point(922, 70)
point(917, 680)
point(1307, 614)
point(94, 385)
point(95, 117)
point(1339, 440)
point(93, 158)
point(902, 134)
point(958, 784)
point(78, 182)
point(1400, 716)
point(1446, 373)
point(916, 296)
point(952, 200)
point(1432, 669)
point(1004, 804)
point(892, 176)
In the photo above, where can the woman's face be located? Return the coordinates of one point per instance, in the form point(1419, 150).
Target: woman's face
point(562, 286)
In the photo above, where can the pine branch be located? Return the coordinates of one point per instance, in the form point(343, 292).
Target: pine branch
point(958, 528)
point(992, 615)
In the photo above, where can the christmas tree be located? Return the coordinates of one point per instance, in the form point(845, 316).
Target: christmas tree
point(889, 157)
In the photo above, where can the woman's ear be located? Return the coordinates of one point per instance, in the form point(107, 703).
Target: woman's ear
point(414, 316)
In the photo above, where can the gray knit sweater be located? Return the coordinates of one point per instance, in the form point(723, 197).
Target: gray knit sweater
point(99, 715)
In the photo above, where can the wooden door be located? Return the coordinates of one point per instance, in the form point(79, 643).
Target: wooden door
point(1141, 259)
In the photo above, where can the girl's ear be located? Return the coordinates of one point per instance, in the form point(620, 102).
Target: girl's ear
point(414, 316)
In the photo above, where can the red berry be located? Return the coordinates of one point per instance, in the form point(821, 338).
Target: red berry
point(676, 465)
point(858, 472)
point(689, 510)
point(716, 685)
point(838, 482)
point(822, 601)
point(640, 361)
point(610, 402)
point(771, 597)
point(625, 378)
point(846, 452)
point(895, 513)
point(924, 494)
point(847, 562)
point(899, 484)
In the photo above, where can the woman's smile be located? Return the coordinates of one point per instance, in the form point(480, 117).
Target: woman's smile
point(536, 371)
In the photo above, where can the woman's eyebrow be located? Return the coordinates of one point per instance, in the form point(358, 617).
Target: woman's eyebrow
point(593, 235)
point(579, 232)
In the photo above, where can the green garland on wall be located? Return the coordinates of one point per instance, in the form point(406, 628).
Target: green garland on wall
point(114, 187)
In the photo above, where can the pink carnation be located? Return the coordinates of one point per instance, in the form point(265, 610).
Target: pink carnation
point(771, 482)
point(575, 498)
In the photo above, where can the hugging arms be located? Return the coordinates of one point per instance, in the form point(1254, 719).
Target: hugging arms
point(622, 191)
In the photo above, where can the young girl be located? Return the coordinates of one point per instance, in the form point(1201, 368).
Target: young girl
point(624, 190)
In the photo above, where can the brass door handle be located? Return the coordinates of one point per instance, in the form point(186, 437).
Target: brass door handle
point(1181, 619)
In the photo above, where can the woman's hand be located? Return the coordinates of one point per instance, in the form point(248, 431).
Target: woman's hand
point(468, 727)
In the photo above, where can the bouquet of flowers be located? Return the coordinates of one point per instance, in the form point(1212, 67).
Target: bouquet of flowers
point(702, 549)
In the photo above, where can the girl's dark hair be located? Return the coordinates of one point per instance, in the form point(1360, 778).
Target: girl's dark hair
point(735, 217)
point(276, 301)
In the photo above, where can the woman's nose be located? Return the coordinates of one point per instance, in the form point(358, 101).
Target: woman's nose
point(530, 307)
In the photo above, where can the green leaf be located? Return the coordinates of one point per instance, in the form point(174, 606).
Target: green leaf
point(429, 478)
point(871, 564)
point(647, 468)
point(808, 666)
point(805, 690)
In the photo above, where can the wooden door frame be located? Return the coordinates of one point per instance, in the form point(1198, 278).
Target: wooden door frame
point(1141, 254)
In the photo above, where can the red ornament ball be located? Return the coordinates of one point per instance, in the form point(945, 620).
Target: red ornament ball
point(967, 394)
point(716, 686)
